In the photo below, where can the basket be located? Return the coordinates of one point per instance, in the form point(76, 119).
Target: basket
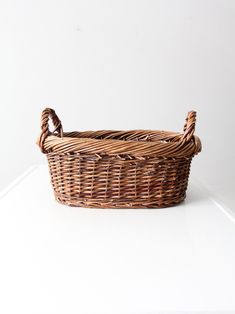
point(119, 169)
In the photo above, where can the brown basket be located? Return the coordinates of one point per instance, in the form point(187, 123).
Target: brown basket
point(119, 169)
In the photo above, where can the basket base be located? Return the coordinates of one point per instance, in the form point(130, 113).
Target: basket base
point(119, 204)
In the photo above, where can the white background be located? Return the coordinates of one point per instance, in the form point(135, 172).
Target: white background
point(119, 65)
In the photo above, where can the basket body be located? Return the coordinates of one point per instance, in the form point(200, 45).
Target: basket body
point(87, 181)
point(86, 171)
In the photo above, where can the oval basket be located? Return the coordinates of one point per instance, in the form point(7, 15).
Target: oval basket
point(119, 169)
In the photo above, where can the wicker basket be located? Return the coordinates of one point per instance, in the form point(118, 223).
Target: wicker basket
point(119, 169)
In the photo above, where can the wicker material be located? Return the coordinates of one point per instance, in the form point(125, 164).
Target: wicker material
point(117, 169)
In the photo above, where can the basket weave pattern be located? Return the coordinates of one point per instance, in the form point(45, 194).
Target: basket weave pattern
point(117, 169)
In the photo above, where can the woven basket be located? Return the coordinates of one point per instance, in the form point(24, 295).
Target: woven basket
point(119, 169)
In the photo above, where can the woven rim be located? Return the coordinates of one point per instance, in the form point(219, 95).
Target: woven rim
point(137, 143)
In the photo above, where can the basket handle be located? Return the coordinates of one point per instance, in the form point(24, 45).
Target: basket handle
point(46, 114)
point(189, 126)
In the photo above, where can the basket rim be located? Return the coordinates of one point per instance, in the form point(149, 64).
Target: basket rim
point(169, 144)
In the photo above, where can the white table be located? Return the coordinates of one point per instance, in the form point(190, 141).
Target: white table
point(59, 259)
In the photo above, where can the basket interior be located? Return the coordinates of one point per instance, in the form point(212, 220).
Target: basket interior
point(128, 136)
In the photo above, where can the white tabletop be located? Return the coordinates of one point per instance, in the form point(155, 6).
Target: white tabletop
point(59, 259)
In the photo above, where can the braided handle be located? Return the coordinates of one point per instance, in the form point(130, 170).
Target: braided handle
point(46, 114)
point(189, 126)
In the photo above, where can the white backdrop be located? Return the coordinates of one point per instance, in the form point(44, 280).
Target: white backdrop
point(119, 65)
